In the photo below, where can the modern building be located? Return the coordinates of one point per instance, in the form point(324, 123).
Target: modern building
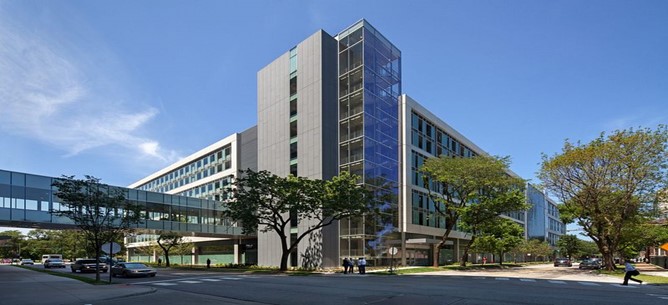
point(543, 220)
point(332, 104)
point(205, 174)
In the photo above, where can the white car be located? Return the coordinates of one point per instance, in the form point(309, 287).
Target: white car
point(54, 263)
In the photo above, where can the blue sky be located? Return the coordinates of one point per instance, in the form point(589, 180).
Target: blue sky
point(120, 89)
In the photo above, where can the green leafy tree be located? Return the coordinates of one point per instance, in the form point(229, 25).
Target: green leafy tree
point(472, 191)
point(499, 237)
point(642, 235)
point(607, 183)
point(266, 202)
point(536, 247)
point(570, 246)
point(168, 240)
point(100, 211)
point(11, 244)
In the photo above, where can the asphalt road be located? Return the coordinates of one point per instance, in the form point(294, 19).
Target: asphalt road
point(536, 285)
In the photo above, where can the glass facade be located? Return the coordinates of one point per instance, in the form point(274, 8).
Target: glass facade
point(30, 198)
point(188, 174)
point(369, 88)
point(543, 217)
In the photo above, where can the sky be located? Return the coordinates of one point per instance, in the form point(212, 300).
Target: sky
point(121, 89)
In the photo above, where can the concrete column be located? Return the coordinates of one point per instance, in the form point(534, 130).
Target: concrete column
point(236, 253)
point(403, 248)
point(194, 256)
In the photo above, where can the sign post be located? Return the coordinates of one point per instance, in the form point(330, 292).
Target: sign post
point(110, 248)
point(393, 251)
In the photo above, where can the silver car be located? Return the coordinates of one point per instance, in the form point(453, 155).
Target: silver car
point(127, 269)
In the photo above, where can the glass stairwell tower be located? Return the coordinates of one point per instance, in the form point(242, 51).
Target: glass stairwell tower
point(369, 69)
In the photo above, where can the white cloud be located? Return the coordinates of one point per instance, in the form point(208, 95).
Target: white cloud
point(52, 92)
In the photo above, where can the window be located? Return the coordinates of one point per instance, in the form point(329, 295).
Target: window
point(293, 107)
point(293, 129)
point(293, 85)
point(293, 151)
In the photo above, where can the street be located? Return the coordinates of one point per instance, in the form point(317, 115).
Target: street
point(534, 285)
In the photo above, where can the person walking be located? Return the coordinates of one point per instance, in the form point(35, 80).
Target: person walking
point(361, 265)
point(346, 265)
point(159, 261)
point(353, 262)
point(630, 272)
point(208, 263)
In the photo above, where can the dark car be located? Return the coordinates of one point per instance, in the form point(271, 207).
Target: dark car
point(54, 263)
point(563, 262)
point(590, 264)
point(132, 269)
point(87, 265)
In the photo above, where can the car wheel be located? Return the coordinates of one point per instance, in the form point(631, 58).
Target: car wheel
point(73, 271)
point(126, 274)
point(152, 275)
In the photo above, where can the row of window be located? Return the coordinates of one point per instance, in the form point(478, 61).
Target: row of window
point(424, 211)
point(425, 135)
point(214, 163)
point(214, 190)
point(293, 115)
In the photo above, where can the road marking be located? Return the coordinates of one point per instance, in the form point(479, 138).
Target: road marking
point(190, 282)
point(164, 284)
point(527, 280)
point(229, 278)
point(624, 286)
point(211, 280)
point(557, 282)
point(589, 284)
point(657, 295)
point(502, 279)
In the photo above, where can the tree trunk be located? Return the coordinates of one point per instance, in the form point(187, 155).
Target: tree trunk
point(284, 260)
point(465, 256)
point(166, 258)
point(501, 259)
point(437, 254)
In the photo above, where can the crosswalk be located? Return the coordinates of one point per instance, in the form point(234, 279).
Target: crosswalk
point(189, 281)
point(556, 282)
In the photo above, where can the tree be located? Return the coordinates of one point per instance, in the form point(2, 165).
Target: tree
point(570, 245)
point(535, 247)
point(606, 184)
point(167, 241)
point(11, 244)
point(499, 238)
point(473, 191)
point(100, 211)
point(266, 202)
point(642, 235)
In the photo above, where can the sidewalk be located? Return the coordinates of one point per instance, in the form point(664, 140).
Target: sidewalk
point(21, 286)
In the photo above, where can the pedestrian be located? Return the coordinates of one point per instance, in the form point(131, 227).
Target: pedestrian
point(630, 271)
point(208, 263)
point(361, 265)
point(353, 263)
point(346, 265)
point(484, 260)
point(159, 261)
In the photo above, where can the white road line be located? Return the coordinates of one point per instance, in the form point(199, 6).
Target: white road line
point(502, 279)
point(164, 284)
point(190, 282)
point(665, 298)
point(589, 284)
point(211, 280)
point(623, 286)
point(527, 280)
point(229, 278)
point(657, 295)
point(557, 282)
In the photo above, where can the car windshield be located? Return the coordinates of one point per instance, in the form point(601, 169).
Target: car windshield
point(135, 266)
point(88, 261)
point(53, 260)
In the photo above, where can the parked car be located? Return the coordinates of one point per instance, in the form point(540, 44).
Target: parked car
point(590, 264)
point(54, 263)
point(132, 269)
point(563, 262)
point(27, 261)
point(84, 265)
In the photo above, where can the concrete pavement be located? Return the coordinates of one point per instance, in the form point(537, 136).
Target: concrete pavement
point(20, 286)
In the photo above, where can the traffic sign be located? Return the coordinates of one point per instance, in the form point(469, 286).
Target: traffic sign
point(664, 246)
point(115, 248)
point(393, 250)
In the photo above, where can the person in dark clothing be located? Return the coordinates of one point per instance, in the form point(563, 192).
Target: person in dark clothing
point(208, 263)
point(346, 265)
point(159, 261)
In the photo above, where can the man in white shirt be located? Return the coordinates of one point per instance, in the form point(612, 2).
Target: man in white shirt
point(630, 271)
